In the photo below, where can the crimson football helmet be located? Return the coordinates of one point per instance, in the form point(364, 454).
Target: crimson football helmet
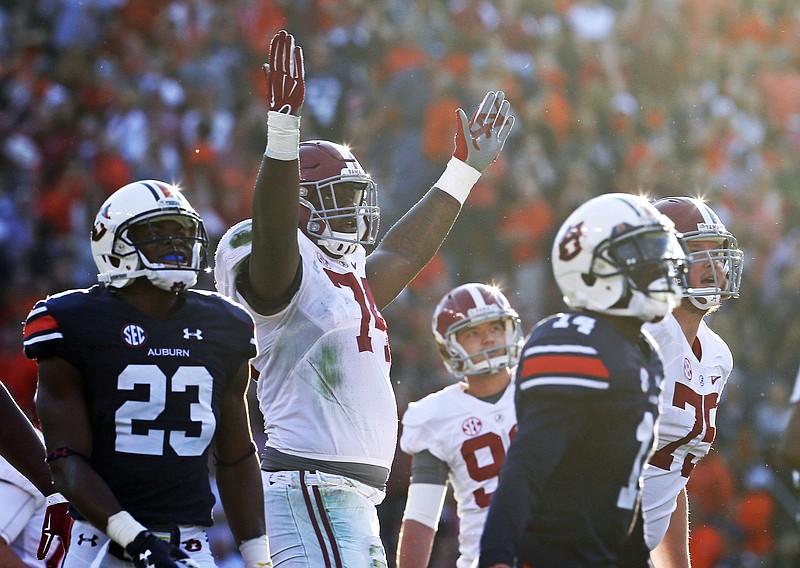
point(471, 304)
point(616, 254)
point(324, 169)
point(117, 255)
point(696, 221)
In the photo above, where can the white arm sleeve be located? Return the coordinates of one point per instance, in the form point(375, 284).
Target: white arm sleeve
point(424, 503)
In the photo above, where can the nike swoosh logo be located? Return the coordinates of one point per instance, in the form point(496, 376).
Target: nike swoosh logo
point(714, 378)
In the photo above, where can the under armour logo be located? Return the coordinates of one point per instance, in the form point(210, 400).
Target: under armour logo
point(189, 334)
point(146, 557)
point(92, 541)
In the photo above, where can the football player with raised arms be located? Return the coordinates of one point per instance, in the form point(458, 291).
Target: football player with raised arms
point(140, 378)
point(587, 395)
point(697, 363)
point(461, 432)
point(302, 269)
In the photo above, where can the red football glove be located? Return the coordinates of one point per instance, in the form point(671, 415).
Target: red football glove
point(285, 74)
point(57, 523)
point(479, 141)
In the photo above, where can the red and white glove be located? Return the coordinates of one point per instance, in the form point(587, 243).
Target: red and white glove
point(286, 91)
point(57, 523)
point(285, 74)
point(479, 141)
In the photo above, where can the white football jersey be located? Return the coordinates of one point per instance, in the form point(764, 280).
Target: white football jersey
point(472, 437)
point(21, 514)
point(689, 399)
point(323, 361)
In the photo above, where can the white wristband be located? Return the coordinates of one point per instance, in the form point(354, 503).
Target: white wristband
point(283, 136)
point(54, 499)
point(424, 503)
point(122, 528)
point(255, 552)
point(458, 179)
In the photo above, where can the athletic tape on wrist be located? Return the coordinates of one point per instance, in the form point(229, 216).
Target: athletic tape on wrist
point(458, 179)
point(283, 136)
point(54, 499)
point(255, 552)
point(122, 528)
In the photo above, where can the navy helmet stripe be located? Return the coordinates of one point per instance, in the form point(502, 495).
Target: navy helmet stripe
point(629, 204)
point(155, 193)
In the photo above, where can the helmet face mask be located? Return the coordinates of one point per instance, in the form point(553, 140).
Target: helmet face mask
point(470, 305)
point(149, 217)
point(341, 196)
point(713, 255)
point(617, 255)
point(637, 256)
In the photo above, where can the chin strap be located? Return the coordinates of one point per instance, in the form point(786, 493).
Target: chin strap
point(338, 248)
point(125, 277)
point(705, 302)
point(167, 279)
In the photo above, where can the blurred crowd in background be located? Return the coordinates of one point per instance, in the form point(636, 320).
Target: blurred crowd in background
point(659, 97)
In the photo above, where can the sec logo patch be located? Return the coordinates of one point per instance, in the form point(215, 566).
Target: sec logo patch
point(472, 426)
point(134, 335)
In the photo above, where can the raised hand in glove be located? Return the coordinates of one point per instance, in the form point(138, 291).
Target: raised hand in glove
point(480, 140)
point(57, 523)
point(286, 85)
point(149, 551)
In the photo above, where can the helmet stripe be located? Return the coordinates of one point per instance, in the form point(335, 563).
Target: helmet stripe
point(165, 188)
point(477, 297)
point(706, 212)
point(632, 207)
point(156, 196)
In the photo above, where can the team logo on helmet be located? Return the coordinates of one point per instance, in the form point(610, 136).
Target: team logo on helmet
point(570, 245)
point(98, 231)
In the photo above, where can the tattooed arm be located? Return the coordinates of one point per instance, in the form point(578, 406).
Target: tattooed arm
point(409, 245)
point(412, 241)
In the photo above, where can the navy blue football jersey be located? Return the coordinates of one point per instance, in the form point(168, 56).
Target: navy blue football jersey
point(152, 388)
point(587, 403)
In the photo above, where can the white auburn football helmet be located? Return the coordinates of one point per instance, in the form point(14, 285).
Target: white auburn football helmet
point(696, 221)
point(118, 257)
point(324, 165)
point(471, 304)
point(617, 255)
